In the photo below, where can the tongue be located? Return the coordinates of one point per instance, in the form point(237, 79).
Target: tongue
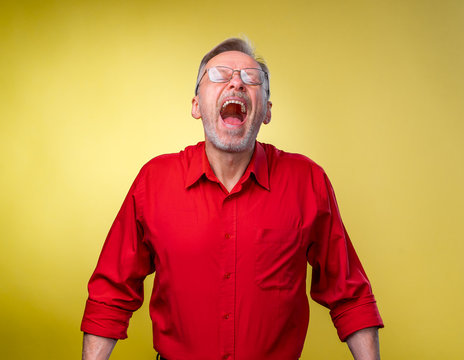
point(232, 120)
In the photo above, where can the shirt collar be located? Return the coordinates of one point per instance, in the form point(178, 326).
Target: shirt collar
point(259, 166)
point(199, 166)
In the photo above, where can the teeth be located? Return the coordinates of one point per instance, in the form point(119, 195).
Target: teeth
point(242, 105)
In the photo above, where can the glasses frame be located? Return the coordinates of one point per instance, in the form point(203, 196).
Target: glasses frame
point(266, 76)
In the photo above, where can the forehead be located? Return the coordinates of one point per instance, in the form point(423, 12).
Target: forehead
point(233, 59)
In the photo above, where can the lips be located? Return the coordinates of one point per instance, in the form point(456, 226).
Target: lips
point(233, 111)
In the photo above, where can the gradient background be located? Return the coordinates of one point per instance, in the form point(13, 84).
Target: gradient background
point(371, 90)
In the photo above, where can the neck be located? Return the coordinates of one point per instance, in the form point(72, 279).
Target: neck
point(227, 166)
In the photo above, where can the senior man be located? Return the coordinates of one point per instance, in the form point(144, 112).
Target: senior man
point(229, 226)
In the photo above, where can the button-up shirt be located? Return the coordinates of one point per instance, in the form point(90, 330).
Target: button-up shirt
point(230, 279)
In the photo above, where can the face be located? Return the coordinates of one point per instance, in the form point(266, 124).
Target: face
point(232, 112)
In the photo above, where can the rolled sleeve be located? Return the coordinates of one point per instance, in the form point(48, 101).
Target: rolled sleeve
point(116, 285)
point(107, 321)
point(339, 281)
point(352, 317)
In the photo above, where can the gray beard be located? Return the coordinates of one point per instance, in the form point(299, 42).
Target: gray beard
point(247, 142)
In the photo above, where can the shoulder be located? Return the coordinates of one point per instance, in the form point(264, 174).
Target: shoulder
point(173, 162)
point(298, 173)
point(167, 170)
point(282, 160)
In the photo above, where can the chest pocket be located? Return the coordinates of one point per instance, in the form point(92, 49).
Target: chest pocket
point(276, 252)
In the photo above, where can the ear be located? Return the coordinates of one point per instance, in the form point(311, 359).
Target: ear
point(196, 108)
point(267, 117)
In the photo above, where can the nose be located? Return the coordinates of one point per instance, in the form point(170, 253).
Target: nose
point(236, 82)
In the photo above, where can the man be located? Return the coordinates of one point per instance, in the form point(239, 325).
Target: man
point(229, 226)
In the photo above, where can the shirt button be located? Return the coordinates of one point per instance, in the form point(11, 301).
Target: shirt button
point(227, 275)
point(226, 316)
point(226, 356)
point(227, 236)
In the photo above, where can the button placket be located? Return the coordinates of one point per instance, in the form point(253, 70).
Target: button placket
point(228, 258)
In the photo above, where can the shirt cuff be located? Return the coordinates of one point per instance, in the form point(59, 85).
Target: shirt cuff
point(351, 317)
point(103, 320)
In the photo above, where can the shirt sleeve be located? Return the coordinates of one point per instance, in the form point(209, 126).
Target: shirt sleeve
point(338, 278)
point(116, 286)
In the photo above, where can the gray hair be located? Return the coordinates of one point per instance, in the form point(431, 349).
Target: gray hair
point(234, 44)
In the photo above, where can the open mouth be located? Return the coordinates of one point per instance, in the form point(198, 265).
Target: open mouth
point(233, 112)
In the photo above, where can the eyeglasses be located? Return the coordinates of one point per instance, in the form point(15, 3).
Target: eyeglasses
point(223, 74)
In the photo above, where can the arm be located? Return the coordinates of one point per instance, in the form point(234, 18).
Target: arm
point(116, 285)
point(97, 347)
point(364, 344)
point(339, 281)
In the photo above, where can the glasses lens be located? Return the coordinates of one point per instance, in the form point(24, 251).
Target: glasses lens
point(252, 76)
point(220, 74)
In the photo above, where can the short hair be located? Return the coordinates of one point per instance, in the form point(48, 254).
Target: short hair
point(234, 44)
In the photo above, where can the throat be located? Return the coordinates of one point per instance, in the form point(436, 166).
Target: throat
point(228, 167)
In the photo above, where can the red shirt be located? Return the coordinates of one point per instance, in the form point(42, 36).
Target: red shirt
point(230, 277)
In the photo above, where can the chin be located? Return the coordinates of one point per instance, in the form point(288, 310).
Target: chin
point(233, 147)
point(240, 145)
point(231, 140)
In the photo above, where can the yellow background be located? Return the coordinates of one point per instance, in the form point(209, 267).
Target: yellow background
point(371, 90)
